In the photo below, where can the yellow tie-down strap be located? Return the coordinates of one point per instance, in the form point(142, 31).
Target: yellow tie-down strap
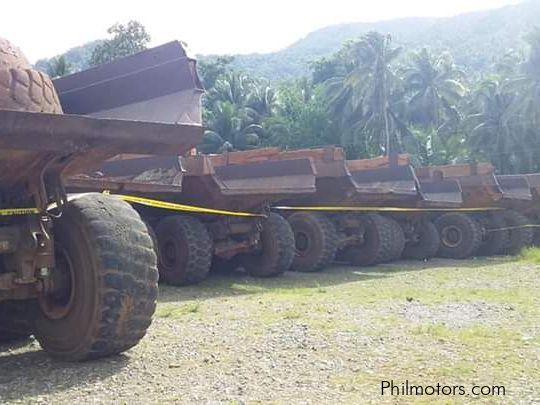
point(8, 212)
point(149, 202)
point(386, 209)
point(137, 200)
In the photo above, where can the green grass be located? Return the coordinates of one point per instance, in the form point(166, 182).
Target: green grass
point(530, 255)
point(497, 346)
point(177, 311)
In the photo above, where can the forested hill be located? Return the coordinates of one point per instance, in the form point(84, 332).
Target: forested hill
point(475, 40)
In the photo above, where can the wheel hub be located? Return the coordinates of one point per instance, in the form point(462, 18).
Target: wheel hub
point(301, 242)
point(57, 304)
point(451, 236)
point(168, 253)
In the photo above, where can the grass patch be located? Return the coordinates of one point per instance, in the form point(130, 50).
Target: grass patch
point(530, 255)
point(172, 311)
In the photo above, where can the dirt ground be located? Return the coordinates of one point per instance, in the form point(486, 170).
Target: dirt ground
point(315, 338)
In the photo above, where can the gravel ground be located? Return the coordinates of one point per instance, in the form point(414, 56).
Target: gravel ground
point(304, 338)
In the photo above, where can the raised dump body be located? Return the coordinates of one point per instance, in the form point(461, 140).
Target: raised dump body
point(159, 84)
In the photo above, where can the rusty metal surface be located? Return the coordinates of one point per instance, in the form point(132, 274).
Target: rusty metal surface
point(477, 190)
point(244, 186)
point(271, 177)
point(398, 181)
point(442, 193)
point(31, 141)
point(534, 183)
point(84, 184)
point(134, 166)
point(159, 84)
point(515, 187)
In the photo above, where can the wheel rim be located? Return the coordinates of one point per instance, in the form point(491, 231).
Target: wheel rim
point(170, 256)
point(451, 236)
point(59, 302)
point(302, 243)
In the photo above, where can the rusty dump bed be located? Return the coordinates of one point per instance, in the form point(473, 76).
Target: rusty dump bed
point(515, 187)
point(159, 84)
point(534, 184)
point(156, 85)
point(394, 181)
point(231, 182)
point(373, 182)
point(480, 186)
point(33, 144)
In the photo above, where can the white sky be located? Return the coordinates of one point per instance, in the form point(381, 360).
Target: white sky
point(209, 26)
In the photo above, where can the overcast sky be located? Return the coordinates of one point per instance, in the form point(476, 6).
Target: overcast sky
point(46, 28)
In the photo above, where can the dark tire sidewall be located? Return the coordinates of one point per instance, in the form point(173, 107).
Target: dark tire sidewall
point(79, 324)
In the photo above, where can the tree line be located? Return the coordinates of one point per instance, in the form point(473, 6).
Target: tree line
point(374, 98)
point(370, 97)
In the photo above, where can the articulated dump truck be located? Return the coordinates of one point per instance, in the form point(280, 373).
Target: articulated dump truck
point(217, 206)
point(505, 226)
point(77, 271)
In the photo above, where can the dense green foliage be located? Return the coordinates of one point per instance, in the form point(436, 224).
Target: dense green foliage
point(77, 58)
point(373, 98)
point(475, 40)
point(126, 40)
point(459, 89)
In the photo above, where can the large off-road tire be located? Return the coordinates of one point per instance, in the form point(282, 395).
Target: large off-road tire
point(105, 281)
point(377, 242)
point(424, 242)
point(11, 56)
point(14, 321)
point(520, 236)
point(460, 236)
point(398, 241)
point(184, 250)
point(495, 236)
point(315, 240)
point(27, 90)
point(275, 252)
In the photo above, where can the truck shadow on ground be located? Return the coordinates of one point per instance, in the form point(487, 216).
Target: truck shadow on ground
point(48, 375)
point(237, 283)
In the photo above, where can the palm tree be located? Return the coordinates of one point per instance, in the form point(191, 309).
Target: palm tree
point(494, 128)
point(528, 84)
point(229, 128)
point(261, 100)
point(436, 87)
point(233, 87)
point(526, 105)
point(362, 96)
point(58, 67)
